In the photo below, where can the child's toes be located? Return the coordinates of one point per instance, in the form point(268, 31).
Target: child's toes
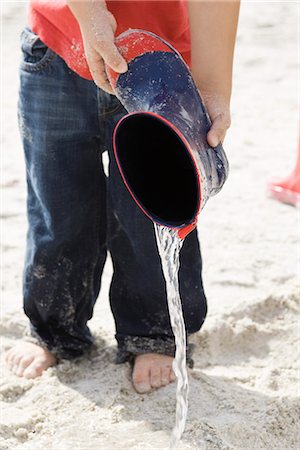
point(10, 358)
point(143, 387)
point(172, 375)
point(155, 377)
point(32, 371)
point(7, 356)
point(29, 373)
point(23, 364)
point(141, 379)
point(165, 375)
point(15, 363)
point(29, 360)
point(36, 368)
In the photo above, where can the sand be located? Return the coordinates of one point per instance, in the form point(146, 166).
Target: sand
point(244, 389)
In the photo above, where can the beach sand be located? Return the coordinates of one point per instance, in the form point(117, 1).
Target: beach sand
point(244, 389)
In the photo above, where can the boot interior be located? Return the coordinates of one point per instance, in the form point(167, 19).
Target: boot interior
point(158, 168)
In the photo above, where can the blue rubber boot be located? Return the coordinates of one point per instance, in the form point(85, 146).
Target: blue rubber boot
point(160, 146)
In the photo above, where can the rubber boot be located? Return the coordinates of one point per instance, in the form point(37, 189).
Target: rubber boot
point(160, 146)
point(287, 190)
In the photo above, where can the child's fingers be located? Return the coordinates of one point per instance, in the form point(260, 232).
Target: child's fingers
point(112, 20)
point(102, 41)
point(217, 133)
point(97, 69)
point(112, 56)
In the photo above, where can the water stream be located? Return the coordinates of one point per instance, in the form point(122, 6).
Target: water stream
point(169, 245)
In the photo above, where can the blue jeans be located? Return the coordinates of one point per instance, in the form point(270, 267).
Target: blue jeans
point(76, 214)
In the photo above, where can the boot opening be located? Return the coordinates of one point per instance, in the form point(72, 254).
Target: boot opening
point(158, 168)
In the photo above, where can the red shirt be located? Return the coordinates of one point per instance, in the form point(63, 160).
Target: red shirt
point(56, 26)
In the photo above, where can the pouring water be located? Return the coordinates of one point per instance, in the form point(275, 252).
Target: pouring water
point(169, 245)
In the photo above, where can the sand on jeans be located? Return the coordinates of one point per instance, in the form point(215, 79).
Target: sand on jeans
point(244, 389)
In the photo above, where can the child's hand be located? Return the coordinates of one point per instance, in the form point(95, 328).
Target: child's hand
point(213, 28)
point(219, 113)
point(98, 28)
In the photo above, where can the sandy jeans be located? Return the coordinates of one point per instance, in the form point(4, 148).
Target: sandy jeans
point(76, 214)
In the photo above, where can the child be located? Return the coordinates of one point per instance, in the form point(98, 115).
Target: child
point(75, 214)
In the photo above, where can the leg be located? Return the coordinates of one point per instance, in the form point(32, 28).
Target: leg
point(66, 241)
point(137, 294)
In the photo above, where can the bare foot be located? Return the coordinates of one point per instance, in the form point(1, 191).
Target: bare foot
point(29, 360)
point(152, 370)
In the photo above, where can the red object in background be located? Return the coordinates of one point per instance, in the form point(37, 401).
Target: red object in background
point(56, 26)
point(287, 190)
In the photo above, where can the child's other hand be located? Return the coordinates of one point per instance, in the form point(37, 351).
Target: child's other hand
point(98, 28)
point(219, 113)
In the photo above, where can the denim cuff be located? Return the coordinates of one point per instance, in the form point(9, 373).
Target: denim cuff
point(34, 338)
point(131, 346)
point(69, 351)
